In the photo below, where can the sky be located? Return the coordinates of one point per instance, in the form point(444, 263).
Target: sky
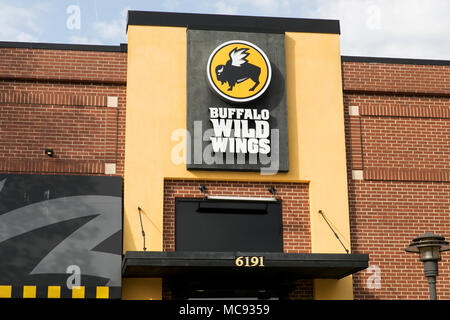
point(377, 28)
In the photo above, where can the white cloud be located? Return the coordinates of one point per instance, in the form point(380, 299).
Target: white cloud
point(79, 40)
point(251, 7)
point(271, 7)
point(401, 28)
point(101, 32)
point(114, 30)
point(19, 24)
point(110, 31)
point(226, 8)
point(25, 37)
point(171, 5)
point(83, 40)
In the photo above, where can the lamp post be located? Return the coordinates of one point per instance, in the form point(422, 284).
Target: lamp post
point(429, 247)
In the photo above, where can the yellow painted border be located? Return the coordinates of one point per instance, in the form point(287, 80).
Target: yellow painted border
point(156, 111)
point(29, 291)
point(54, 292)
point(102, 292)
point(78, 292)
point(5, 291)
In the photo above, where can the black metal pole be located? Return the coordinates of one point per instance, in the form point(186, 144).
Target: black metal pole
point(431, 272)
point(335, 234)
point(142, 228)
point(432, 287)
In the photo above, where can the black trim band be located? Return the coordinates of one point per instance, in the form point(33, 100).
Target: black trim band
point(428, 62)
point(195, 21)
point(222, 264)
point(63, 46)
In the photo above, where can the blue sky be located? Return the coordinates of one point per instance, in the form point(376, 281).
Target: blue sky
point(383, 28)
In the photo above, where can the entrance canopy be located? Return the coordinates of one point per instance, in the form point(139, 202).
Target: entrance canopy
point(286, 266)
point(238, 274)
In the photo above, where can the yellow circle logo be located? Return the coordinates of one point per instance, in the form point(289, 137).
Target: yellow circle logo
point(239, 71)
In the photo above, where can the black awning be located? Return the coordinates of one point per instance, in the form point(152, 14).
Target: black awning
point(285, 266)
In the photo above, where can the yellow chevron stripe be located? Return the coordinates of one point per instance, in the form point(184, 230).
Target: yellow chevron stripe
point(78, 292)
point(29, 291)
point(5, 291)
point(102, 293)
point(54, 292)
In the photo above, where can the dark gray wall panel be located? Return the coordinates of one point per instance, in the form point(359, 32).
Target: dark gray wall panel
point(200, 97)
point(224, 227)
point(51, 222)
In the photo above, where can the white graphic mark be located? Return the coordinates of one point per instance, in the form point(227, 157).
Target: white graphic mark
point(374, 280)
point(74, 280)
point(74, 20)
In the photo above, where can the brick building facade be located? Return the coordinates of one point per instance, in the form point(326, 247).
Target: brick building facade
point(58, 99)
point(296, 229)
point(398, 153)
point(72, 99)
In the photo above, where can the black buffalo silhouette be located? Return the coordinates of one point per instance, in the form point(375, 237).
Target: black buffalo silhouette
point(238, 69)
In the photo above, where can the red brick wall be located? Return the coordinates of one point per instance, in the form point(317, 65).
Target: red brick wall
point(57, 99)
point(401, 142)
point(63, 65)
point(304, 290)
point(386, 216)
point(395, 138)
point(396, 78)
point(295, 207)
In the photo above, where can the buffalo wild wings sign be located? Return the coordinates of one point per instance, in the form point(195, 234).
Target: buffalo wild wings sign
point(234, 62)
point(236, 111)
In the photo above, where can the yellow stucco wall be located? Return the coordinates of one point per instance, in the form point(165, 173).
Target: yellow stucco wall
point(314, 92)
point(156, 114)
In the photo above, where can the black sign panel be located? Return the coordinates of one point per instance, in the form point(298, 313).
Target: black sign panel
point(236, 102)
point(224, 226)
point(61, 231)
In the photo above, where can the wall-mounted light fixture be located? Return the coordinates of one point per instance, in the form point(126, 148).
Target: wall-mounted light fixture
point(266, 199)
point(49, 152)
point(231, 198)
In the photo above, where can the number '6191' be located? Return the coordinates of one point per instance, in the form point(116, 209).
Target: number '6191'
point(249, 261)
